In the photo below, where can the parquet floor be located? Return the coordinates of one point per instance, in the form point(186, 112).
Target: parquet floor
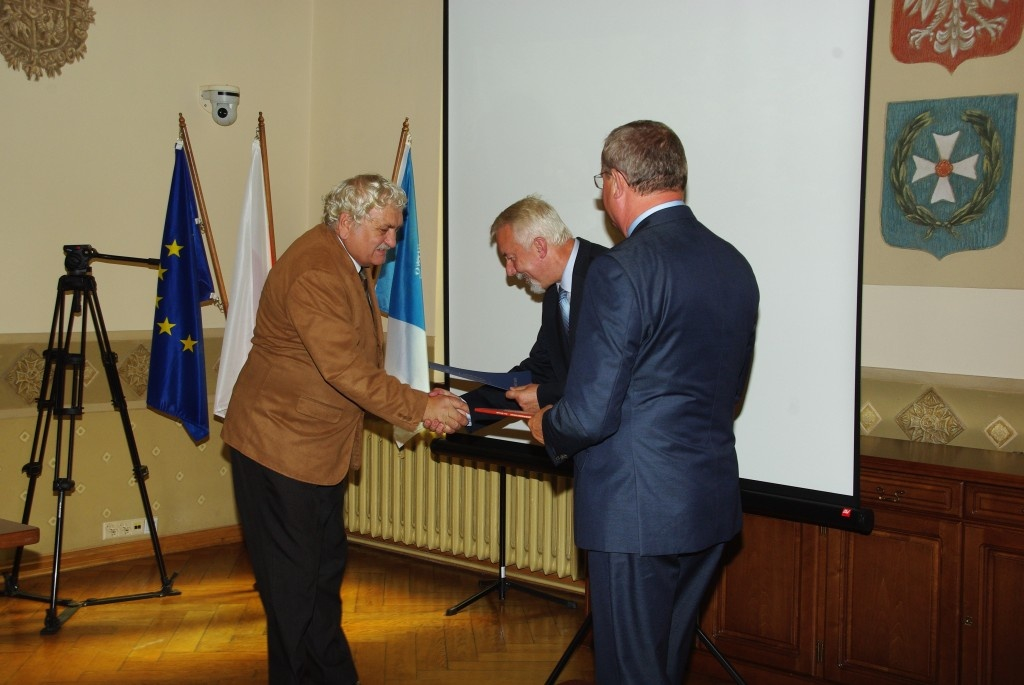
point(214, 631)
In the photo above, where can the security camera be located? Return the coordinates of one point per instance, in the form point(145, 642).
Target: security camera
point(222, 103)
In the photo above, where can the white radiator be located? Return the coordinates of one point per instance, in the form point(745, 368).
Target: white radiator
point(450, 505)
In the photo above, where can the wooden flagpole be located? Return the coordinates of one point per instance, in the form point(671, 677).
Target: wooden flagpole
point(206, 229)
point(394, 173)
point(266, 189)
point(401, 150)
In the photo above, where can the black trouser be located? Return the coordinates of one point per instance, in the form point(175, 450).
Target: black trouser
point(295, 535)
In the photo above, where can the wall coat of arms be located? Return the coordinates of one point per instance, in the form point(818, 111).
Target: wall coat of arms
point(948, 167)
point(949, 32)
point(41, 36)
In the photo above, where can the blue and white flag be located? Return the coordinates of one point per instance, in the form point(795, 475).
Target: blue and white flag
point(177, 368)
point(400, 295)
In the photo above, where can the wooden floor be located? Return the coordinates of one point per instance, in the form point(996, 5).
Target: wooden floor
point(214, 631)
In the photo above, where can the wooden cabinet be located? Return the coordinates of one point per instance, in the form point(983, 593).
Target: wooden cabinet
point(993, 587)
point(766, 602)
point(934, 595)
point(891, 610)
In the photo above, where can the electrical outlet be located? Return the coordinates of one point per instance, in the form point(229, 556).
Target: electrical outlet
point(115, 530)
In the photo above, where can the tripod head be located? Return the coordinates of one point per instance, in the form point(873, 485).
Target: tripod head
point(77, 259)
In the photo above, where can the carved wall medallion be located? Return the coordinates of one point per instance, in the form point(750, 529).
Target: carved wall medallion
point(26, 376)
point(135, 370)
point(41, 36)
point(930, 419)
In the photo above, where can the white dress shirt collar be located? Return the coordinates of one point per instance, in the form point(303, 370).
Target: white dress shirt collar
point(652, 210)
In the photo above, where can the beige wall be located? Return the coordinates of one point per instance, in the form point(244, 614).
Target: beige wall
point(87, 157)
point(374, 64)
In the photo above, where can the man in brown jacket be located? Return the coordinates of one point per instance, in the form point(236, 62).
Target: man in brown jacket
point(295, 422)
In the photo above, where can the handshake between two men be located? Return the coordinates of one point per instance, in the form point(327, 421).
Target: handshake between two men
point(449, 413)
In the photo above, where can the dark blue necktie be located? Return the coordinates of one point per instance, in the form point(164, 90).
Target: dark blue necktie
point(563, 305)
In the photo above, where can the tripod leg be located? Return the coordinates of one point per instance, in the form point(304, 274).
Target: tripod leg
point(720, 657)
point(109, 358)
point(496, 585)
point(68, 407)
point(577, 640)
point(53, 621)
point(501, 584)
point(34, 468)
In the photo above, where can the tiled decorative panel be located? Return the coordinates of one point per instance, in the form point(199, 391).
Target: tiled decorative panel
point(980, 413)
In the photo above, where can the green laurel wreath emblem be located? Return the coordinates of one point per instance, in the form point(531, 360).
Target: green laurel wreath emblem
point(991, 167)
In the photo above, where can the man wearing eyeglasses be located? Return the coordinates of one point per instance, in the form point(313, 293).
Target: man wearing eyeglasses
point(538, 249)
point(666, 332)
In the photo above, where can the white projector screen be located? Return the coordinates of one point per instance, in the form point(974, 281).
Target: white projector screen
point(768, 97)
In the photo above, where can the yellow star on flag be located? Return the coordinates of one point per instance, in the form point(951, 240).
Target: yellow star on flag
point(188, 344)
point(166, 326)
point(174, 249)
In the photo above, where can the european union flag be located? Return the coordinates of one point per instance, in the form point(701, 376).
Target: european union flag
point(177, 368)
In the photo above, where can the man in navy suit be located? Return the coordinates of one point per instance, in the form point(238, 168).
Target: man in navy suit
point(538, 248)
point(665, 342)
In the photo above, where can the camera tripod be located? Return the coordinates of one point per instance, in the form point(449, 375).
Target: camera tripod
point(60, 401)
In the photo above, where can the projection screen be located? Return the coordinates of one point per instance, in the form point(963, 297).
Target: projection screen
point(769, 100)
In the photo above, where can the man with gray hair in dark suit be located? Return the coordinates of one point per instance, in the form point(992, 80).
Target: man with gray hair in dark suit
point(538, 249)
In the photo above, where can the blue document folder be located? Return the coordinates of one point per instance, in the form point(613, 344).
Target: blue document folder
point(497, 380)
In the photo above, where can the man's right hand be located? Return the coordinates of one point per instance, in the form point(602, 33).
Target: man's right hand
point(445, 412)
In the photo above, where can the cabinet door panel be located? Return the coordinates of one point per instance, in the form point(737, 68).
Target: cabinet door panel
point(993, 605)
point(892, 614)
point(764, 608)
point(910, 492)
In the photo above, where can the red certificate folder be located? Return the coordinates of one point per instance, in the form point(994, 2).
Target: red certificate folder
point(504, 412)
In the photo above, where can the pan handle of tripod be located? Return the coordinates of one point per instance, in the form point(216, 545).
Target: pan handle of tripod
point(77, 259)
point(151, 261)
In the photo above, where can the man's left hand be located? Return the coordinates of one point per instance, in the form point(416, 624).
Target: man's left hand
point(525, 396)
point(537, 424)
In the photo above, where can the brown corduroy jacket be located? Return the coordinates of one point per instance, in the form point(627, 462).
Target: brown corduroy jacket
point(315, 368)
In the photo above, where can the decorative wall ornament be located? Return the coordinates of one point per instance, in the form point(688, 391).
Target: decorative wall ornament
point(135, 370)
point(41, 36)
point(929, 419)
point(869, 418)
point(26, 375)
point(949, 165)
point(950, 32)
point(1000, 432)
